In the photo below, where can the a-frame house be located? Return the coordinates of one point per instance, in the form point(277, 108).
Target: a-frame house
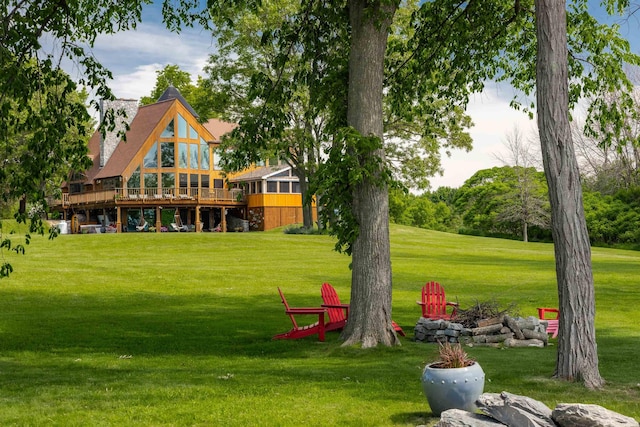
point(165, 177)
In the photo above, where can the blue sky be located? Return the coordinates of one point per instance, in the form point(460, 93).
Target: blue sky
point(134, 57)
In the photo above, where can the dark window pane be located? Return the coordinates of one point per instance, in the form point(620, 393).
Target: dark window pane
point(151, 158)
point(150, 180)
point(167, 152)
point(134, 179)
point(168, 180)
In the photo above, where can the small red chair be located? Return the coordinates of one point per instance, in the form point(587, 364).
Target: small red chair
point(434, 303)
point(297, 331)
point(338, 312)
point(551, 316)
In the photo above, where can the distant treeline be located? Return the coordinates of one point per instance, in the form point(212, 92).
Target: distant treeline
point(512, 202)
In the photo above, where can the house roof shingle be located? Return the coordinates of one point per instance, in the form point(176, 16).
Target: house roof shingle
point(141, 127)
point(218, 128)
point(262, 172)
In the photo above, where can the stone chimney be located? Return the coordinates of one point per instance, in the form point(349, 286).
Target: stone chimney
point(110, 140)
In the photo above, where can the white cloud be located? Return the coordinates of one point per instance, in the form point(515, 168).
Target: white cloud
point(493, 120)
point(140, 82)
point(133, 57)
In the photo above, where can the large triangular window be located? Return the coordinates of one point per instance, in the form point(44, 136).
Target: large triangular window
point(169, 131)
point(151, 158)
point(193, 134)
point(182, 127)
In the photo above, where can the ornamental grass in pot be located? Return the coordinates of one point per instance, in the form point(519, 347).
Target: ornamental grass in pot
point(453, 381)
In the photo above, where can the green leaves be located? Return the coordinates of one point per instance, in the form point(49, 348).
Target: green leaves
point(353, 159)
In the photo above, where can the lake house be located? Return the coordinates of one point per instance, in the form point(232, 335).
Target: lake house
point(166, 177)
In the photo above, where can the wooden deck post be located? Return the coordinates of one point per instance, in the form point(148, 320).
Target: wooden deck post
point(118, 219)
point(158, 219)
point(223, 219)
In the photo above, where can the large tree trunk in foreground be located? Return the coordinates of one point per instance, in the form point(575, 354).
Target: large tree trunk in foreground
point(577, 358)
point(370, 313)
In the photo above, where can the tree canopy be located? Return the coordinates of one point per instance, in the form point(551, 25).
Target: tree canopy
point(43, 116)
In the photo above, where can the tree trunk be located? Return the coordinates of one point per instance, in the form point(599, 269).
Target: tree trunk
point(577, 357)
point(307, 209)
point(370, 312)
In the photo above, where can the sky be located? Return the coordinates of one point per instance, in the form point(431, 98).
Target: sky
point(134, 57)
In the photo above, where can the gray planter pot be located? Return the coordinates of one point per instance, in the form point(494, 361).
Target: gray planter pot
point(453, 388)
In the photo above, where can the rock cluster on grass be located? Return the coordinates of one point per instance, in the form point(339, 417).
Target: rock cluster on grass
point(521, 411)
point(498, 331)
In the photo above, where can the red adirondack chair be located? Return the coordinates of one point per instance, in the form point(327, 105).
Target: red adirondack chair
point(338, 312)
point(551, 316)
point(434, 304)
point(297, 331)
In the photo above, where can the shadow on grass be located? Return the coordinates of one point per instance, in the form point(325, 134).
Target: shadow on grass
point(145, 324)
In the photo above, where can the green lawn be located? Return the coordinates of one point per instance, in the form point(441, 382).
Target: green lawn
point(174, 329)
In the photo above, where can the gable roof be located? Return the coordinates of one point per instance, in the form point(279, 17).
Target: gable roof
point(141, 127)
point(263, 172)
point(218, 128)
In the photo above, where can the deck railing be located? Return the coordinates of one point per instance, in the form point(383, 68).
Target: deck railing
point(149, 195)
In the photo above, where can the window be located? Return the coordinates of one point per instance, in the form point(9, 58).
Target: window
point(167, 154)
point(182, 127)
point(283, 173)
point(193, 156)
point(204, 181)
point(168, 131)
point(168, 180)
point(204, 155)
point(218, 183)
point(192, 133)
point(194, 180)
point(109, 183)
point(272, 186)
point(134, 179)
point(216, 158)
point(150, 180)
point(284, 186)
point(182, 155)
point(75, 188)
point(183, 180)
point(151, 158)
point(295, 187)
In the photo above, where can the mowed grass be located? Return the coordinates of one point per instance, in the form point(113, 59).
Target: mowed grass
point(174, 329)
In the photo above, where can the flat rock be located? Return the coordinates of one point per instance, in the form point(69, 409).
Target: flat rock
point(460, 418)
point(585, 415)
point(514, 410)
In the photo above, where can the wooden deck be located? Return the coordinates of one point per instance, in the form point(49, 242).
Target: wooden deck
point(152, 196)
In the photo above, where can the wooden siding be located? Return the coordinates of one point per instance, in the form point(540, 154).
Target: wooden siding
point(281, 216)
point(274, 200)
